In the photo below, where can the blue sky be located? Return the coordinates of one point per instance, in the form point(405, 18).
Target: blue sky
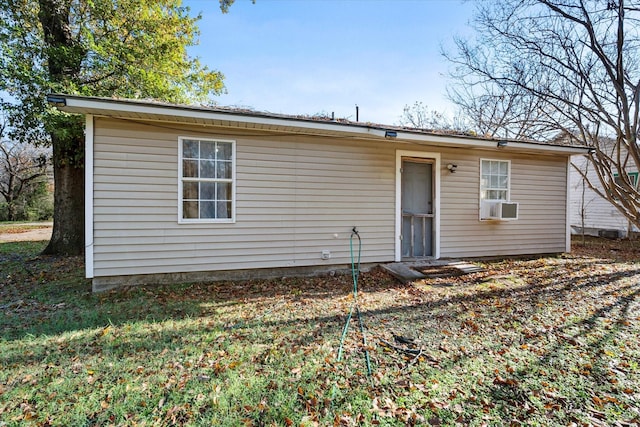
point(323, 56)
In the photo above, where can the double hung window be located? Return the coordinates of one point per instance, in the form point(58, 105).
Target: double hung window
point(207, 180)
point(494, 179)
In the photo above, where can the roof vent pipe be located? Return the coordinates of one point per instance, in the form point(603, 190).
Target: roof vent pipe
point(357, 113)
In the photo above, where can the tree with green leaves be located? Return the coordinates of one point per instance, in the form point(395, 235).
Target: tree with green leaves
point(127, 48)
point(564, 68)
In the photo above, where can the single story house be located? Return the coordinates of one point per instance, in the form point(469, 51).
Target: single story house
point(591, 213)
point(183, 193)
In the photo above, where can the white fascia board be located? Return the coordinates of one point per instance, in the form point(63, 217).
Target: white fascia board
point(132, 108)
point(461, 141)
point(121, 108)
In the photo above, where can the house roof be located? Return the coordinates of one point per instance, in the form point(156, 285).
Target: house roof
point(145, 110)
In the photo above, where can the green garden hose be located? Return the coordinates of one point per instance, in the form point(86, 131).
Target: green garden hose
point(355, 274)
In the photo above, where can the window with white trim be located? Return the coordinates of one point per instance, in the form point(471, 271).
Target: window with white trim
point(207, 180)
point(633, 178)
point(494, 179)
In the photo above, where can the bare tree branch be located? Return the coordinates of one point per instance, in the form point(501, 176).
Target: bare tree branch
point(22, 168)
point(564, 70)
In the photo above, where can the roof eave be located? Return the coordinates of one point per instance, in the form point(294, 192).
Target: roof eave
point(128, 108)
point(145, 110)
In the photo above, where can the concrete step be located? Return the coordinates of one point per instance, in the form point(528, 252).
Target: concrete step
point(403, 272)
point(466, 268)
point(409, 271)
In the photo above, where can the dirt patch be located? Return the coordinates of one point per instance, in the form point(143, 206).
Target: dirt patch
point(33, 234)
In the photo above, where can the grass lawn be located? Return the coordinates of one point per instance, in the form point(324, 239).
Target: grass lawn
point(547, 341)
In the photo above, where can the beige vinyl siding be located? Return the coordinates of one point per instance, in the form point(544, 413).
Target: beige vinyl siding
point(293, 195)
point(538, 184)
point(297, 196)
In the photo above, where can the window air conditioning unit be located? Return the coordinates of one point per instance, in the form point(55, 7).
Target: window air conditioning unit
point(498, 210)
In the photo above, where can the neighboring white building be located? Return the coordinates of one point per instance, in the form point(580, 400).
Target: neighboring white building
point(591, 212)
point(179, 193)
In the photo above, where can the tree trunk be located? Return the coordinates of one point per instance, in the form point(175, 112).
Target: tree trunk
point(68, 211)
point(64, 55)
point(10, 195)
point(11, 210)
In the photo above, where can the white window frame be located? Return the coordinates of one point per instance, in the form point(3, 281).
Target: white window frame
point(508, 162)
point(181, 180)
point(481, 189)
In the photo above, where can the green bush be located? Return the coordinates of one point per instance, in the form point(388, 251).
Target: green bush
point(40, 205)
point(34, 205)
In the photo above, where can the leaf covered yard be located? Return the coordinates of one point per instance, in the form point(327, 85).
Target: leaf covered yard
point(544, 341)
